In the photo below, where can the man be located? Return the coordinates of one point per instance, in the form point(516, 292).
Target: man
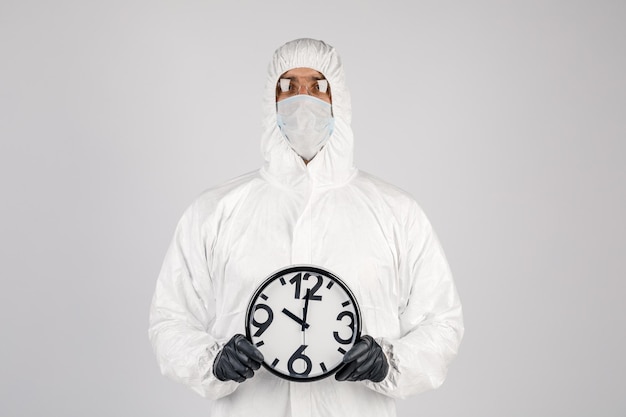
point(308, 204)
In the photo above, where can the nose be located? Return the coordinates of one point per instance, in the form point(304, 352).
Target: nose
point(302, 89)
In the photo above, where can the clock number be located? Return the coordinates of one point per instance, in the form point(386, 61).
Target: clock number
point(351, 326)
point(297, 279)
point(316, 287)
point(262, 327)
point(299, 354)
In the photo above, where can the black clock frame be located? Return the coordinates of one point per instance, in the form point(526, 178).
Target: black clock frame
point(301, 268)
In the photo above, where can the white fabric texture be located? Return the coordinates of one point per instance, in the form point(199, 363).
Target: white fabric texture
point(371, 234)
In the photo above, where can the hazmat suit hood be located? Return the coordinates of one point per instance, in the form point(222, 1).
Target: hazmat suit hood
point(333, 165)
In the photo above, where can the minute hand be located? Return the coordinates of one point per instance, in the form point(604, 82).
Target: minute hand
point(295, 318)
point(306, 309)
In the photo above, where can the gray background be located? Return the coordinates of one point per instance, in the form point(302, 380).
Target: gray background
point(506, 121)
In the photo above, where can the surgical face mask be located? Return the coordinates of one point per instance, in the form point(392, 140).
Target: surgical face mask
point(306, 122)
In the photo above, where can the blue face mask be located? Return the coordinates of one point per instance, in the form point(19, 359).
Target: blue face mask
point(306, 122)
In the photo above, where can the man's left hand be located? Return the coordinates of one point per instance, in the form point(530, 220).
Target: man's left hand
point(365, 360)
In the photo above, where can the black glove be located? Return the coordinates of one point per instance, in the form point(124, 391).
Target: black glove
point(238, 360)
point(365, 360)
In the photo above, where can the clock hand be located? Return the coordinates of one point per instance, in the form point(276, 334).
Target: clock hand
point(306, 308)
point(295, 318)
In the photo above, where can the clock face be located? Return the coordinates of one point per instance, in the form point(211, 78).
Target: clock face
point(303, 319)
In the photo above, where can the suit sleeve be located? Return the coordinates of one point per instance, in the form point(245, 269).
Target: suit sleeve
point(431, 318)
point(183, 307)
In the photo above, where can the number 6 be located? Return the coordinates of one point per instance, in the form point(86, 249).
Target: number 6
point(299, 354)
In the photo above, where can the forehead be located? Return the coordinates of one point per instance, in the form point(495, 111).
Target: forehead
point(303, 73)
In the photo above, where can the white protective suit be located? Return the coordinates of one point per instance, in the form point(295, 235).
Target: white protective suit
point(327, 213)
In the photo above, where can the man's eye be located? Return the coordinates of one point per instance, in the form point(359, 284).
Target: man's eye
point(322, 86)
point(285, 85)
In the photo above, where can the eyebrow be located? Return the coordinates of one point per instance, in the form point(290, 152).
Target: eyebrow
point(313, 77)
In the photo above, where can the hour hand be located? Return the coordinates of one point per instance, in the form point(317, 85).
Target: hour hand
point(296, 319)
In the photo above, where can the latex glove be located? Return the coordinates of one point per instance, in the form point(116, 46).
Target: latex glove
point(365, 360)
point(237, 360)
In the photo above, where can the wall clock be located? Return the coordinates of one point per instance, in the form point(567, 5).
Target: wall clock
point(303, 319)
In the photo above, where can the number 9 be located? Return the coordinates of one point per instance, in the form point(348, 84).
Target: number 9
point(262, 327)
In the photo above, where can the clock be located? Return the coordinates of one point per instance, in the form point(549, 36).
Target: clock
point(303, 319)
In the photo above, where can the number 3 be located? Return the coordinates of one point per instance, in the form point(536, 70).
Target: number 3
point(351, 326)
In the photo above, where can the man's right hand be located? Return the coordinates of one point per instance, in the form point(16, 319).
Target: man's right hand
point(238, 360)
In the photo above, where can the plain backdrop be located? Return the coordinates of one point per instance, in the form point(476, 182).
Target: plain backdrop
point(506, 120)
